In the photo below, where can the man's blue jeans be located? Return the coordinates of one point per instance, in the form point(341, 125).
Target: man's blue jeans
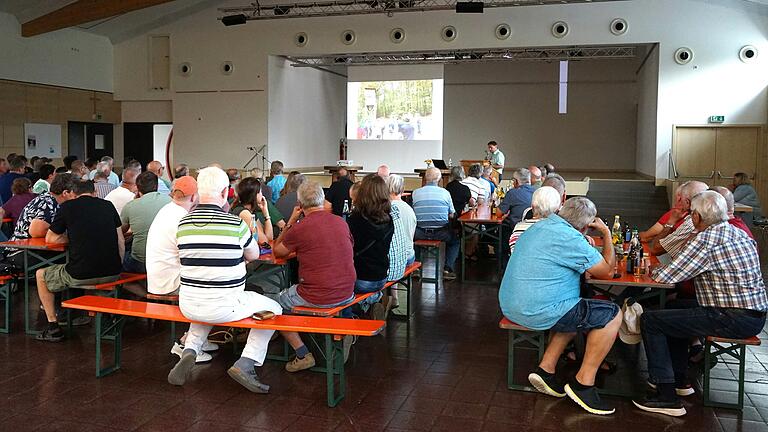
point(666, 333)
point(446, 234)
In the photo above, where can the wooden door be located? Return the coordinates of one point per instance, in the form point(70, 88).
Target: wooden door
point(736, 152)
point(693, 154)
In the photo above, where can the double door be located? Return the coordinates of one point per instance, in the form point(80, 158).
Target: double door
point(712, 154)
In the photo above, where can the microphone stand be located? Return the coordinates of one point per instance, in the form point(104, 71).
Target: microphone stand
point(257, 153)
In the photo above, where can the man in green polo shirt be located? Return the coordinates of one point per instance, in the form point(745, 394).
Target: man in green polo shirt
point(137, 217)
point(495, 157)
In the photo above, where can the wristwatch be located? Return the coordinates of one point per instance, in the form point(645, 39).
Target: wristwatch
point(668, 225)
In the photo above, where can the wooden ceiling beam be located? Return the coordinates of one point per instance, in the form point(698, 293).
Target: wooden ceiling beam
point(81, 12)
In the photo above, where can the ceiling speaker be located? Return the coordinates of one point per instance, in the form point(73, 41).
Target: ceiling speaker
point(185, 69)
point(397, 35)
point(503, 31)
point(348, 37)
point(748, 53)
point(300, 39)
point(559, 29)
point(448, 33)
point(683, 55)
point(619, 26)
point(227, 67)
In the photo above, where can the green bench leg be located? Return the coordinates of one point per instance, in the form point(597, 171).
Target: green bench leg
point(5, 295)
point(334, 356)
point(537, 341)
point(408, 288)
point(736, 351)
point(112, 332)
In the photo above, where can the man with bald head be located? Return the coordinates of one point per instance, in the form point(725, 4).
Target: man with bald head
point(163, 186)
point(536, 180)
point(127, 190)
point(383, 171)
point(673, 235)
point(434, 209)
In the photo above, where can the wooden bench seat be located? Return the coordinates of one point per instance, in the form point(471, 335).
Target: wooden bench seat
point(124, 279)
point(110, 329)
point(431, 249)
point(521, 337)
point(720, 349)
point(336, 311)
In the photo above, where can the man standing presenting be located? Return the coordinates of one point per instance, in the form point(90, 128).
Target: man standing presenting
point(213, 249)
point(495, 157)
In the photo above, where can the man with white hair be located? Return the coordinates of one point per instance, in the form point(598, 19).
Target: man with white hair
point(517, 200)
point(546, 201)
point(674, 227)
point(558, 182)
point(434, 209)
point(323, 246)
point(479, 187)
point(383, 171)
point(113, 178)
point(730, 300)
point(214, 247)
point(541, 288)
point(536, 180)
point(730, 203)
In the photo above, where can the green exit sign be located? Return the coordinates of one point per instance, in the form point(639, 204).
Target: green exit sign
point(716, 119)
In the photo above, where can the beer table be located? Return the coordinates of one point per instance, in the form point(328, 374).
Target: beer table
point(274, 272)
point(480, 221)
point(741, 208)
point(33, 247)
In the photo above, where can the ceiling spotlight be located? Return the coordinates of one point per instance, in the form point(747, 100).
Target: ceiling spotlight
point(469, 7)
point(231, 20)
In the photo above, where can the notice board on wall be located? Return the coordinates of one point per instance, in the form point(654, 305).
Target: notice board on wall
point(41, 139)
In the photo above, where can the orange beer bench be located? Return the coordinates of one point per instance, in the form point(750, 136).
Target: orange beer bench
point(111, 313)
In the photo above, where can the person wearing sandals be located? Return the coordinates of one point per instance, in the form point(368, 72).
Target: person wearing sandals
point(541, 290)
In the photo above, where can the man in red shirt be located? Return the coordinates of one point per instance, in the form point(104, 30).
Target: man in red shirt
point(323, 246)
point(732, 219)
point(677, 213)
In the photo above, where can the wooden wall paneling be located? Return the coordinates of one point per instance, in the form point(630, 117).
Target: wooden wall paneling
point(736, 152)
point(13, 104)
point(75, 105)
point(694, 152)
point(108, 108)
point(760, 183)
point(42, 104)
point(13, 138)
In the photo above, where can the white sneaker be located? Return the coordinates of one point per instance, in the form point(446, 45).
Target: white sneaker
point(202, 356)
point(210, 347)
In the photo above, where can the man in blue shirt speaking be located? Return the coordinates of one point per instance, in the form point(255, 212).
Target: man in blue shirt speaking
point(540, 290)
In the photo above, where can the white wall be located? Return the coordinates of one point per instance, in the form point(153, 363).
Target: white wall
point(67, 58)
point(648, 95)
point(515, 104)
point(715, 29)
point(306, 114)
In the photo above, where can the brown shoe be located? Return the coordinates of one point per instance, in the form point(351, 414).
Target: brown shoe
point(299, 364)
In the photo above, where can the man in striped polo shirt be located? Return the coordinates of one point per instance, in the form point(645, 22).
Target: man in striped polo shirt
point(214, 247)
point(433, 207)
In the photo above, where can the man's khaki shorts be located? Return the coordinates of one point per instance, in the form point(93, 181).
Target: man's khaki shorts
point(57, 279)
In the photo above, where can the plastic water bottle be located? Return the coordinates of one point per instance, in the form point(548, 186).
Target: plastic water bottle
point(450, 162)
point(345, 212)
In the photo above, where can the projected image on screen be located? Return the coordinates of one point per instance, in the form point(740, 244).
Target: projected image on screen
point(395, 110)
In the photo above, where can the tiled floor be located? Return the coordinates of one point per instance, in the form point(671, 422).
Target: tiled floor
point(444, 371)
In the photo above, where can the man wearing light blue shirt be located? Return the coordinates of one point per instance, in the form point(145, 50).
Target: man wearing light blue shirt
point(277, 183)
point(433, 207)
point(541, 288)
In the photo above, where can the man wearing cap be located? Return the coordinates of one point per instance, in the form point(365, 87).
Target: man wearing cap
point(162, 256)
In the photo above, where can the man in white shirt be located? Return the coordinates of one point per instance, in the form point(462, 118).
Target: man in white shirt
point(126, 192)
point(477, 186)
point(162, 253)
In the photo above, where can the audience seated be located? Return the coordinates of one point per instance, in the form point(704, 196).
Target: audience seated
point(673, 236)
point(103, 187)
point(233, 174)
point(21, 197)
point(338, 193)
point(372, 230)
point(541, 290)
point(4, 167)
point(322, 243)
point(46, 174)
point(157, 168)
point(545, 201)
point(405, 230)
point(276, 181)
point(137, 217)
point(288, 196)
point(488, 177)
point(558, 182)
point(6, 180)
point(68, 160)
point(536, 179)
point(250, 201)
point(124, 194)
point(656, 229)
point(265, 189)
point(433, 207)
point(460, 193)
point(383, 171)
point(78, 169)
point(730, 300)
point(91, 163)
point(95, 245)
point(480, 189)
point(729, 202)
point(181, 170)
point(745, 194)
point(518, 199)
point(212, 276)
point(113, 179)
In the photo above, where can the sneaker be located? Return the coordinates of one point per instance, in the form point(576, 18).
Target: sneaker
point(589, 400)
point(202, 356)
point(546, 384)
point(79, 321)
point(655, 404)
point(378, 312)
point(248, 379)
point(209, 347)
point(449, 275)
point(51, 335)
point(299, 364)
point(178, 375)
point(680, 389)
point(696, 354)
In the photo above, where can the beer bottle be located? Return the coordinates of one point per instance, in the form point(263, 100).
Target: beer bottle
point(627, 233)
point(346, 212)
point(631, 260)
point(616, 231)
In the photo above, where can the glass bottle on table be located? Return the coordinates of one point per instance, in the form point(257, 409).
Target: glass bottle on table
point(346, 211)
point(616, 231)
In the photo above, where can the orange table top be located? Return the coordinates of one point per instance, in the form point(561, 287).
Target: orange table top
point(482, 215)
point(35, 244)
point(626, 279)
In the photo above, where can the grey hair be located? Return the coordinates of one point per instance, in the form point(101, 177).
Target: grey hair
point(432, 175)
point(711, 207)
point(545, 201)
point(579, 212)
point(691, 188)
point(457, 173)
point(522, 175)
point(103, 167)
point(475, 170)
point(488, 170)
point(727, 194)
point(556, 181)
point(310, 194)
point(396, 184)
